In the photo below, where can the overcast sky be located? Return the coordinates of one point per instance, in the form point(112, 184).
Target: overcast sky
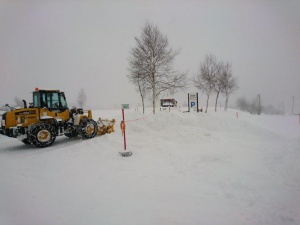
point(69, 45)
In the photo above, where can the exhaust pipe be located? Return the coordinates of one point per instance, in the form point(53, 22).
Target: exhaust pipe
point(25, 104)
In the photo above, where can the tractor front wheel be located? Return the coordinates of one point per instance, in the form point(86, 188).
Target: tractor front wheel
point(42, 135)
point(89, 128)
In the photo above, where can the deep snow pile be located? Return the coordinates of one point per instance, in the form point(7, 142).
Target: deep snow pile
point(186, 168)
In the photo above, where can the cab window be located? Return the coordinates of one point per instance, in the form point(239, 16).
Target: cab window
point(63, 100)
point(50, 100)
point(36, 100)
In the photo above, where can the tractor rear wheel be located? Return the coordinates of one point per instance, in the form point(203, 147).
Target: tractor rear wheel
point(42, 135)
point(89, 128)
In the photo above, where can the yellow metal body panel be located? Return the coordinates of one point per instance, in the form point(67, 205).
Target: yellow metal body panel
point(28, 116)
point(25, 117)
point(65, 115)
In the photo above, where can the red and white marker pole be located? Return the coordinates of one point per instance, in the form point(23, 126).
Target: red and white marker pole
point(124, 129)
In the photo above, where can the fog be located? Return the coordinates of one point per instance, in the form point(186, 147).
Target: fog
point(69, 45)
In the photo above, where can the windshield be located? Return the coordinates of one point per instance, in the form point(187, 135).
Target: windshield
point(50, 100)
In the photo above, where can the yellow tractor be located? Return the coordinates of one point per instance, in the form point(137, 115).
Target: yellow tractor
point(48, 117)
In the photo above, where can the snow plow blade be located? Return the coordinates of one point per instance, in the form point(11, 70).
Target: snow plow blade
point(105, 126)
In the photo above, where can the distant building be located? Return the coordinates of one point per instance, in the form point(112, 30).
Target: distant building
point(168, 102)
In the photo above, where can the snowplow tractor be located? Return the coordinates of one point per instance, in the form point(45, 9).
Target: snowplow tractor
point(46, 118)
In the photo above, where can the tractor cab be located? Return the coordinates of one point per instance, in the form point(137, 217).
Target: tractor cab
point(53, 100)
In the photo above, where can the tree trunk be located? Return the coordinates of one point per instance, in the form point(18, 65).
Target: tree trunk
point(142, 97)
point(226, 102)
point(143, 103)
point(207, 103)
point(217, 101)
point(154, 93)
point(153, 100)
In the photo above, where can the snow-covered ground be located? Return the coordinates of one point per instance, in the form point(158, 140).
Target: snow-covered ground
point(186, 168)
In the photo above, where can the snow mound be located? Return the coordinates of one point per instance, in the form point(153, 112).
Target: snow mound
point(186, 168)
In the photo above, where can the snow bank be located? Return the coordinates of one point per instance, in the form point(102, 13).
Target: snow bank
point(186, 168)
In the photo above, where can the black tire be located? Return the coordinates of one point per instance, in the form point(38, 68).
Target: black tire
point(89, 128)
point(26, 141)
point(71, 133)
point(42, 135)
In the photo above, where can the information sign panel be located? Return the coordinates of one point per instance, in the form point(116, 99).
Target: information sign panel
point(125, 106)
point(193, 101)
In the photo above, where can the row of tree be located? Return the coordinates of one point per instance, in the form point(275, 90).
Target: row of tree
point(215, 77)
point(254, 106)
point(251, 106)
point(151, 70)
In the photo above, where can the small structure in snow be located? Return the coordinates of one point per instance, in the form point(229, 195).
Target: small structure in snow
point(168, 102)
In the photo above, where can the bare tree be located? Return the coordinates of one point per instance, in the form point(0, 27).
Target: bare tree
point(81, 98)
point(205, 79)
point(138, 79)
point(229, 83)
point(218, 82)
point(153, 58)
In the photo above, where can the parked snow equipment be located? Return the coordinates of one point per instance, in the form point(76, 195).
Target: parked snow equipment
point(46, 118)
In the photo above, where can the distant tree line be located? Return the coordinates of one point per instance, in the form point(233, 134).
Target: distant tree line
point(246, 105)
point(254, 106)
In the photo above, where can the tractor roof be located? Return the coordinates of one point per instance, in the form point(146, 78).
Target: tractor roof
point(47, 90)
